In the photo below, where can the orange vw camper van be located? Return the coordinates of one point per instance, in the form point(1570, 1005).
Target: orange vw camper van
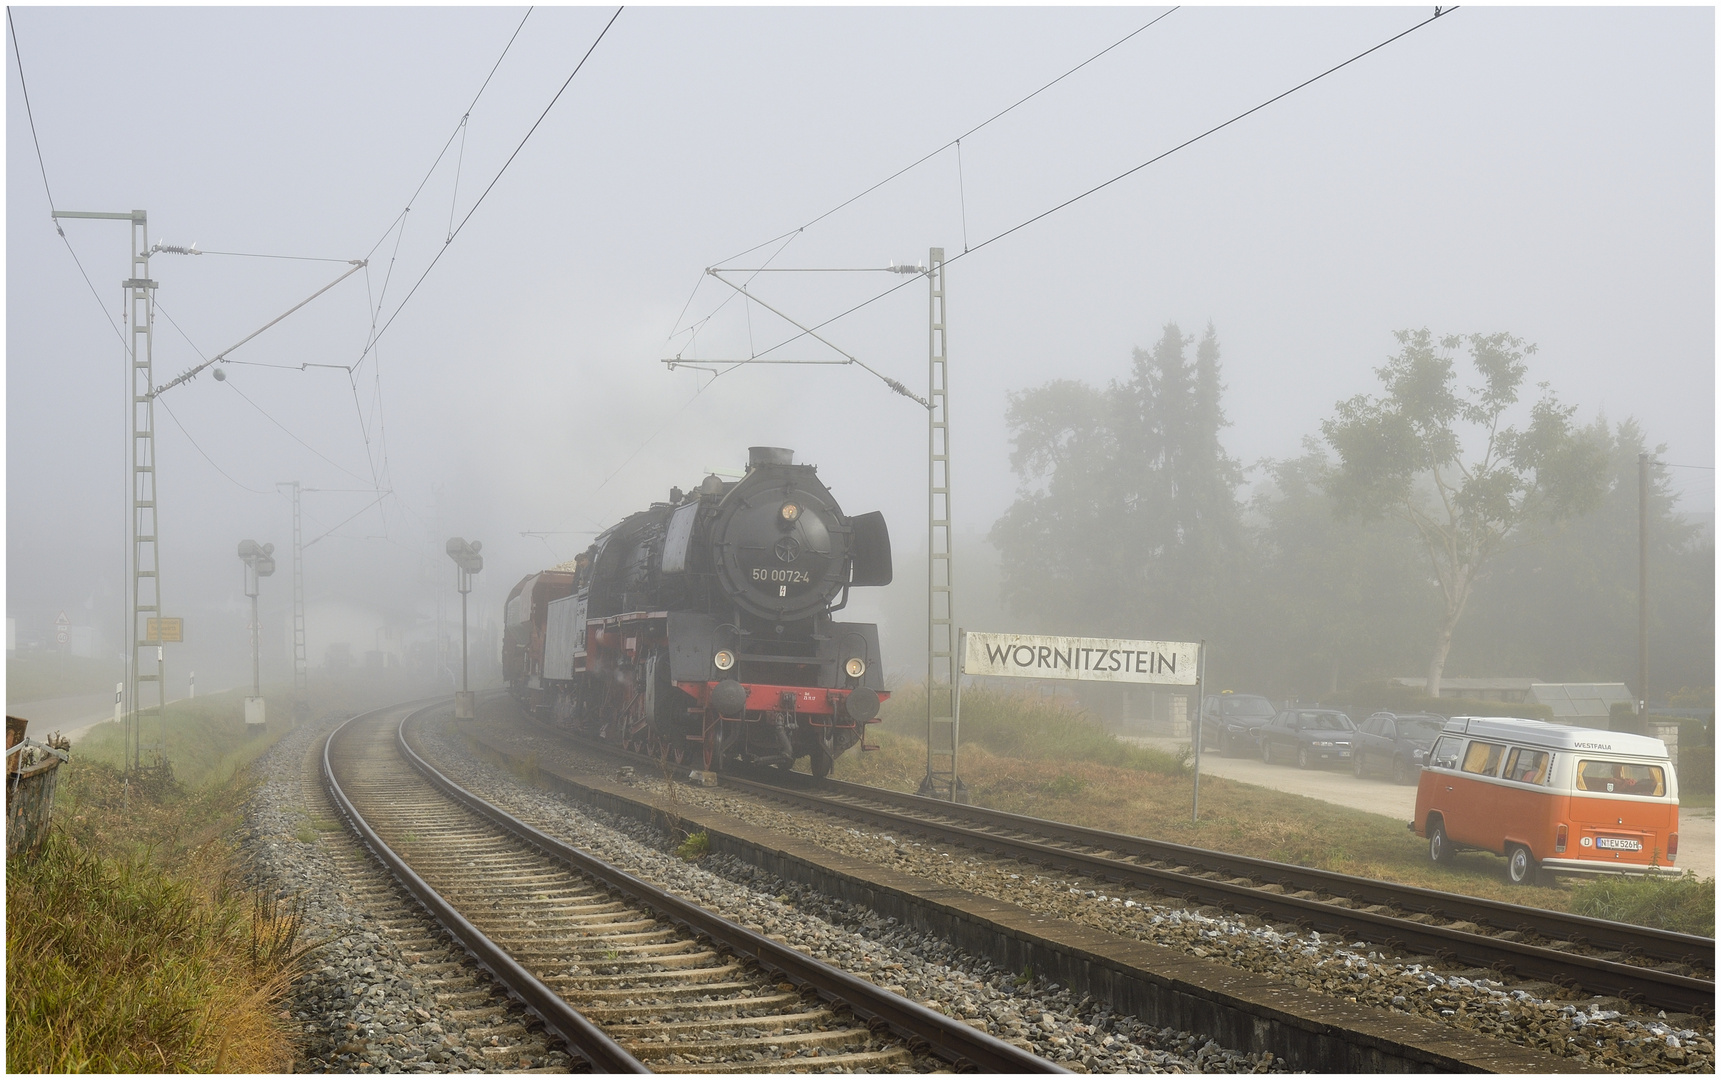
point(1550, 798)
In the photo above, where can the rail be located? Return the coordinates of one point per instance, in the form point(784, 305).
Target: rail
point(581, 1036)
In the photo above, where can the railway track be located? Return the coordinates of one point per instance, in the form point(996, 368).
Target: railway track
point(628, 977)
point(489, 1021)
point(1656, 968)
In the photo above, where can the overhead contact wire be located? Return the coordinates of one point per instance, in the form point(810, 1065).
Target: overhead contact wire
point(956, 142)
point(491, 185)
point(205, 453)
point(432, 170)
point(1439, 13)
point(42, 164)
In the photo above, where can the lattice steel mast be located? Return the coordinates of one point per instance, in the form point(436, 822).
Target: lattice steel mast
point(942, 666)
point(144, 563)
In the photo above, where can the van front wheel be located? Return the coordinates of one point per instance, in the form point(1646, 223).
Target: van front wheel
point(1439, 847)
point(1520, 868)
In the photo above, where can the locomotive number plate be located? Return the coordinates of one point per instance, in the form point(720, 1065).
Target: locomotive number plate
point(1618, 843)
point(793, 577)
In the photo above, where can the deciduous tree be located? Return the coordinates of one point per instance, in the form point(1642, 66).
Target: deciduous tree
point(1448, 462)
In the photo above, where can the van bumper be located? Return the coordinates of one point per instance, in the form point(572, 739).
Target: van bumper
point(1594, 868)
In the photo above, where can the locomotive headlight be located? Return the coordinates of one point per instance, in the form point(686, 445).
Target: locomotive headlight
point(790, 511)
point(856, 667)
point(724, 659)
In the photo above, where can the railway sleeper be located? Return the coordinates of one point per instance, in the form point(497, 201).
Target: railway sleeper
point(733, 1007)
point(642, 981)
point(729, 1045)
point(578, 992)
point(773, 1022)
point(815, 1062)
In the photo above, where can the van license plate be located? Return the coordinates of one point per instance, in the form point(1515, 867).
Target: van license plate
point(1616, 843)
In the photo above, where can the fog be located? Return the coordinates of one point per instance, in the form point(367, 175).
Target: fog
point(1546, 171)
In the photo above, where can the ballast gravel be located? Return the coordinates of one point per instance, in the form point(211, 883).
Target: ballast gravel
point(360, 1006)
point(1604, 1032)
point(1080, 1034)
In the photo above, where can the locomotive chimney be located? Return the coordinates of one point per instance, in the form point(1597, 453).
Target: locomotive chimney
point(769, 455)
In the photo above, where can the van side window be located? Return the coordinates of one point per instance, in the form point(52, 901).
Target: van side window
point(1445, 755)
point(1621, 778)
point(1526, 766)
point(1483, 758)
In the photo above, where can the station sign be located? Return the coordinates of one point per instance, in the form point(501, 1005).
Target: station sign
point(1039, 656)
point(164, 631)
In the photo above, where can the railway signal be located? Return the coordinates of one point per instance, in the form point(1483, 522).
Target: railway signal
point(467, 561)
point(259, 562)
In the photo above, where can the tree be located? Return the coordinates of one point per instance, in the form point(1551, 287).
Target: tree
point(1126, 513)
point(1563, 604)
point(1404, 453)
point(1337, 602)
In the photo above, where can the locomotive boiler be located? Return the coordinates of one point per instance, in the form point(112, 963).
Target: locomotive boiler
point(703, 629)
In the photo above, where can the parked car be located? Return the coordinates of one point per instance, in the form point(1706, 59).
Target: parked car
point(1229, 721)
point(1309, 737)
point(1552, 799)
point(1395, 743)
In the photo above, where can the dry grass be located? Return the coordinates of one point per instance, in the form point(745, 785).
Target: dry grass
point(1026, 725)
point(129, 948)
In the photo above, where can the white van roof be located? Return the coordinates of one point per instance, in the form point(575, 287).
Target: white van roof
point(1555, 736)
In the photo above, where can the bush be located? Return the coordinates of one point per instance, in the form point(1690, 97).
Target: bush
point(695, 847)
point(1022, 724)
point(1685, 904)
point(1696, 773)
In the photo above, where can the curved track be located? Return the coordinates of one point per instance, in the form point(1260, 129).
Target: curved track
point(625, 974)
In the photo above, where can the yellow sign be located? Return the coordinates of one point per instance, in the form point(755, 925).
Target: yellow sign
point(159, 631)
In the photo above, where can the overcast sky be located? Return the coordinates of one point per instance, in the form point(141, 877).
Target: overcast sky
point(1544, 171)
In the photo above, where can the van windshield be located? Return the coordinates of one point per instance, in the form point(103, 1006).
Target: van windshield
point(1620, 778)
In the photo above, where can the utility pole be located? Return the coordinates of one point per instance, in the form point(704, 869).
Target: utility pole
point(1643, 592)
point(301, 676)
point(144, 560)
point(467, 561)
point(259, 563)
point(943, 668)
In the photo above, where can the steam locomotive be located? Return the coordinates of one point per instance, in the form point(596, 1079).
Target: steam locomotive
point(702, 630)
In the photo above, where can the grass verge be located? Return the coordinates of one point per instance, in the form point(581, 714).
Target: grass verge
point(129, 946)
point(1026, 725)
point(1683, 904)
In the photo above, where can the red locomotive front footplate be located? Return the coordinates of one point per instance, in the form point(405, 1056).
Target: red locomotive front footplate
point(762, 697)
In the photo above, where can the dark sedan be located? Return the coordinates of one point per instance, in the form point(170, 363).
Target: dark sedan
point(1395, 743)
point(1229, 721)
point(1309, 737)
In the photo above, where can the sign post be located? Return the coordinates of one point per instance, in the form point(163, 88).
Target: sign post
point(468, 561)
point(1084, 659)
point(1195, 732)
point(259, 562)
